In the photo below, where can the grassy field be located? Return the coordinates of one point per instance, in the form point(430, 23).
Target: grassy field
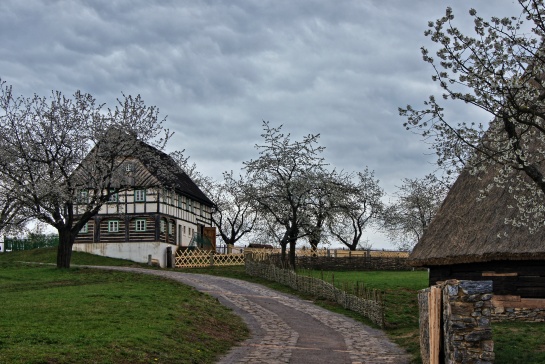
point(88, 316)
point(91, 316)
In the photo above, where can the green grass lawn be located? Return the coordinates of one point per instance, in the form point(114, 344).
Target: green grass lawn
point(90, 316)
point(519, 342)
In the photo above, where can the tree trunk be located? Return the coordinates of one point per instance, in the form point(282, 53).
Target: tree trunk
point(292, 253)
point(283, 245)
point(64, 250)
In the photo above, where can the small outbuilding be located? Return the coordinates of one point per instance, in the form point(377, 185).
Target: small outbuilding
point(469, 240)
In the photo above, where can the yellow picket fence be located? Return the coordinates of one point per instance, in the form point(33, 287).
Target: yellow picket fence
point(206, 258)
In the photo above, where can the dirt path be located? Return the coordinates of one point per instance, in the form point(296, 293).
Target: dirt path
point(287, 329)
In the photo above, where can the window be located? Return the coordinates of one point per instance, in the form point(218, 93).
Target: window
point(113, 226)
point(84, 229)
point(180, 201)
point(113, 196)
point(129, 167)
point(162, 226)
point(184, 230)
point(171, 228)
point(190, 205)
point(140, 195)
point(140, 224)
point(83, 196)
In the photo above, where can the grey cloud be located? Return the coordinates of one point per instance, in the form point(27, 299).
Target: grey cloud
point(218, 68)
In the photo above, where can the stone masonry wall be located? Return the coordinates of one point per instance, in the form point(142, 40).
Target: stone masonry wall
point(466, 322)
point(502, 312)
point(466, 316)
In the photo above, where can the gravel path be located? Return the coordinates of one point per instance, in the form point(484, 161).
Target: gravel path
point(287, 329)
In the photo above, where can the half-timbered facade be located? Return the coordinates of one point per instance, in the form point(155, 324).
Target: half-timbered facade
point(157, 206)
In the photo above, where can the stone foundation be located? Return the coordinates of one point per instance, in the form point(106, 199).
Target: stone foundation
point(514, 308)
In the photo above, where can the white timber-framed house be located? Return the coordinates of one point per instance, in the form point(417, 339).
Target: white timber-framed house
point(156, 207)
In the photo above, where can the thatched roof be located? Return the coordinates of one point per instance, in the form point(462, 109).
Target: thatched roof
point(466, 230)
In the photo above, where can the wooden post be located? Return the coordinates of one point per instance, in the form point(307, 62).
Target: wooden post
point(169, 257)
point(435, 310)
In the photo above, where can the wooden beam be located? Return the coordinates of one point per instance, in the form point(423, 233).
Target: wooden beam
point(494, 274)
point(435, 309)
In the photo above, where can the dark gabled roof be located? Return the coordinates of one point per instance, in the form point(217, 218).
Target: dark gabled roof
point(169, 174)
point(157, 169)
point(466, 229)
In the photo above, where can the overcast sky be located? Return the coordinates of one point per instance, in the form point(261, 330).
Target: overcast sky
point(217, 69)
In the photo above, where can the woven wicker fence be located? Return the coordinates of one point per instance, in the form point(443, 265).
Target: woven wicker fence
point(367, 302)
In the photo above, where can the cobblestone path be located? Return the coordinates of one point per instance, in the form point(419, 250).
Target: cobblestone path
point(287, 329)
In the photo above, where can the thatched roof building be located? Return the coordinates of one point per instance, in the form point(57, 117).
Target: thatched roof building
point(469, 239)
point(468, 230)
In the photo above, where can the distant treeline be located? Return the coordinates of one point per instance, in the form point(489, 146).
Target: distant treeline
point(33, 241)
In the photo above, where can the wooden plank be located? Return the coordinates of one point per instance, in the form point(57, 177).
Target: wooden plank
point(494, 274)
point(517, 302)
point(435, 323)
point(506, 298)
point(529, 303)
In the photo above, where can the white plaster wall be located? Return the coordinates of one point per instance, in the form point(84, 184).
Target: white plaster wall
point(137, 252)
